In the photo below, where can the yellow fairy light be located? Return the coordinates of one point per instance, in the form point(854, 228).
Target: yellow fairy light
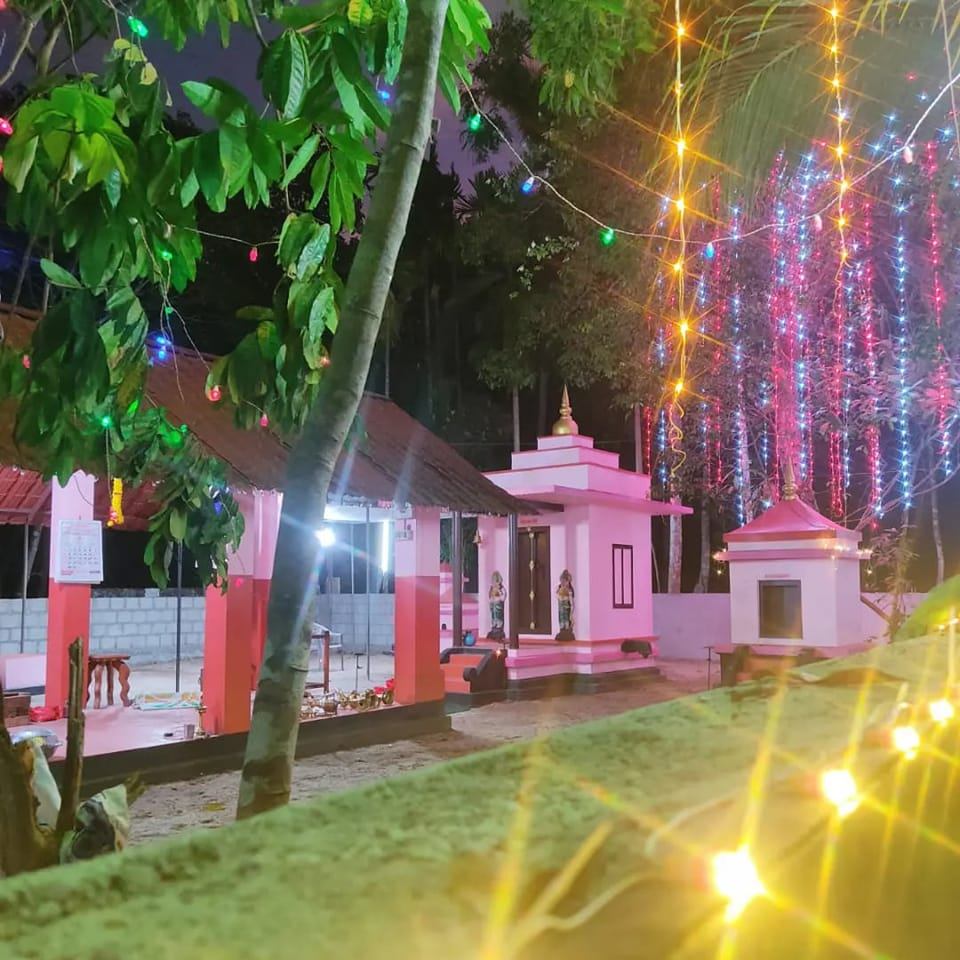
point(681, 146)
point(840, 149)
point(736, 879)
point(834, 11)
point(684, 329)
point(679, 203)
point(941, 711)
point(844, 186)
point(840, 789)
point(681, 30)
point(834, 49)
point(836, 82)
point(906, 740)
point(678, 266)
point(678, 387)
point(841, 221)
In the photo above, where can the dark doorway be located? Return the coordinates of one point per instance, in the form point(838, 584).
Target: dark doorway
point(535, 581)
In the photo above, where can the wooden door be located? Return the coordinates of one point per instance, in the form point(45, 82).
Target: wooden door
point(535, 593)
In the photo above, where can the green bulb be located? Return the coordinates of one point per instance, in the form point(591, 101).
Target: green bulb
point(607, 236)
point(138, 27)
point(475, 122)
point(106, 421)
point(166, 254)
point(168, 311)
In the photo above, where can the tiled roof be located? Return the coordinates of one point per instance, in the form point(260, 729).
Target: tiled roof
point(789, 520)
point(390, 457)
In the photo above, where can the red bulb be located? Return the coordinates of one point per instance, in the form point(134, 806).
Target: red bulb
point(215, 394)
point(253, 255)
point(6, 127)
point(324, 361)
point(264, 421)
point(1, 164)
point(25, 360)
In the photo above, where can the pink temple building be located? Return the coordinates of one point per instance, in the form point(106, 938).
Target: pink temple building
point(573, 579)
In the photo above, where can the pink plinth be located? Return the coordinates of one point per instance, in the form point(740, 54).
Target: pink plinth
point(228, 619)
point(538, 660)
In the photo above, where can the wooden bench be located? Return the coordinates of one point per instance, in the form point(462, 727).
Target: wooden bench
point(104, 663)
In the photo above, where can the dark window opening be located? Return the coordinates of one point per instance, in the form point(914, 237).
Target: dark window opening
point(780, 610)
point(622, 577)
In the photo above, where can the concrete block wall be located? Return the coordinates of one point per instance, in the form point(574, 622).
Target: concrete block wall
point(144, 626)
point(347, 614)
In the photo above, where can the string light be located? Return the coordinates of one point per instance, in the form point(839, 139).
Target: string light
point(253, 255)
point(607, 236)
point(736, 879)
point(840, 789)
point(106, 421)
point(529, 185)
point(25, 361)
point(6, 127)
point(138, 27)
point(264, 420)
point(906, 740)
point(215, 394)
point(941, 711)
point(475, 122)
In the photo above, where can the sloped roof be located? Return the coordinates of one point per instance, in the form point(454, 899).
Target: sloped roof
point(790, 520)
point(391, 458)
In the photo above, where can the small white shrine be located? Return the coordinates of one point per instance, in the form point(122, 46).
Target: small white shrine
point(794, 583)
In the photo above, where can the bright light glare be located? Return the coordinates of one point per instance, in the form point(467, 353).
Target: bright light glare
point(840, 789)
point(327, 537)
point(906, 740)
point(385, 547)
point(736, 879)
point(941, 711)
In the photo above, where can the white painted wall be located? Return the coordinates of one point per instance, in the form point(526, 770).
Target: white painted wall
point(686, 622)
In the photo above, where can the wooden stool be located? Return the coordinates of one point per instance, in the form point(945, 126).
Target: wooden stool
point(100, 663)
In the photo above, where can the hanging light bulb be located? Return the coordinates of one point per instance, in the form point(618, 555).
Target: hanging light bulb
point(215, 393)
point(607, 236)
point(840, 789)
point(264, 420)
point(138, 27)
point(6, 127)
point(475, 122)
point(529, 185)
point(817, 222)
point(736, 879)
point(25, 360)
point(709, 251)
point(253, 254)
point(907, 153)
point(385, 95)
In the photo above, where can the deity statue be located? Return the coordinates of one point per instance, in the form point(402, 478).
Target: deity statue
point(497, 597)
point(565, 595)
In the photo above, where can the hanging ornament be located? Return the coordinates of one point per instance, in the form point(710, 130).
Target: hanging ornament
point(25, 360)
point(116, 504)
point(6, 127)
point(264, 420)
point(138, 27)
point(817, 222)
point(907, 153)
point(253, 254)
point(710, 251)
point(215, 393)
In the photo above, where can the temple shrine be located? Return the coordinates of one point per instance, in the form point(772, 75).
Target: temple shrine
point(566, 591)
point(794, 586)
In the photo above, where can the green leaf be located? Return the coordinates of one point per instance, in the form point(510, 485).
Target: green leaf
point(300, 159)
point(318, 178)
point(18, 160)
point(178, 524)
point(348, 97)
point(309, 15)
point(284, 70)
point(255, 313)
point(235, 157)
point(58, 276)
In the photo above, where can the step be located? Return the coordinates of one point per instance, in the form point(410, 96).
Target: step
point(466, 659)
point(455, 685)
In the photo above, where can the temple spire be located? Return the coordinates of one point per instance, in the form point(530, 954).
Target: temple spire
point(789, 482)
point(566, 426)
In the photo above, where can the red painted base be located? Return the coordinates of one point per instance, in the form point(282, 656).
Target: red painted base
point(417, 640)
point(261, 600)
point(228, 641)
point(68, 617)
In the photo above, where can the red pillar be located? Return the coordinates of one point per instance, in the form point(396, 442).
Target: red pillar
point(68, 602)
point(267, 513)
point(419, 677)
point(229, 625)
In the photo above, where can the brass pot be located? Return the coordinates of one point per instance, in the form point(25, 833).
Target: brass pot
point(386, 698)
point(330, 707)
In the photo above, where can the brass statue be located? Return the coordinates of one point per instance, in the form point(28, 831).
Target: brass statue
point(565, 595)
point(497, 597)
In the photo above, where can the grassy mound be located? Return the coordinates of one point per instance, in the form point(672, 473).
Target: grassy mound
point(427, 864)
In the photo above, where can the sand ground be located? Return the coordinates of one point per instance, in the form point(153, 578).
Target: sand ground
point(208, 802)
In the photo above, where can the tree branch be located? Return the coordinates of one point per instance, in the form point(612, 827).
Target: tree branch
point(23, 42)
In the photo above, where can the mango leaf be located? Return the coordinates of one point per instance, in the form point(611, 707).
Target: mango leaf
point(300, 159)
point(58, 276)
point(284, 71)
point(318, 178)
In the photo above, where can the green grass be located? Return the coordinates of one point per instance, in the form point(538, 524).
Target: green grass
point(404, 868)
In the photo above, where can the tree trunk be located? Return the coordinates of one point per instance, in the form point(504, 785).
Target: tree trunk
point(706, 553)
point(937, 534)
point(268, 762)
point(516, 419)
point(674, 578)
point(638, 438)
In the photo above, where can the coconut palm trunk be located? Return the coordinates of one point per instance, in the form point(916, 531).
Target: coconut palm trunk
point(265, 782)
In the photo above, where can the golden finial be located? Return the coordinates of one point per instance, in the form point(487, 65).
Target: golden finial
point(789, 482)
point(566, 426)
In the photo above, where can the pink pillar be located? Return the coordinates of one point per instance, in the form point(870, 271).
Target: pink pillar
point(267, 505)
point(417, 609)
point(229, 625)
point(68, 604)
